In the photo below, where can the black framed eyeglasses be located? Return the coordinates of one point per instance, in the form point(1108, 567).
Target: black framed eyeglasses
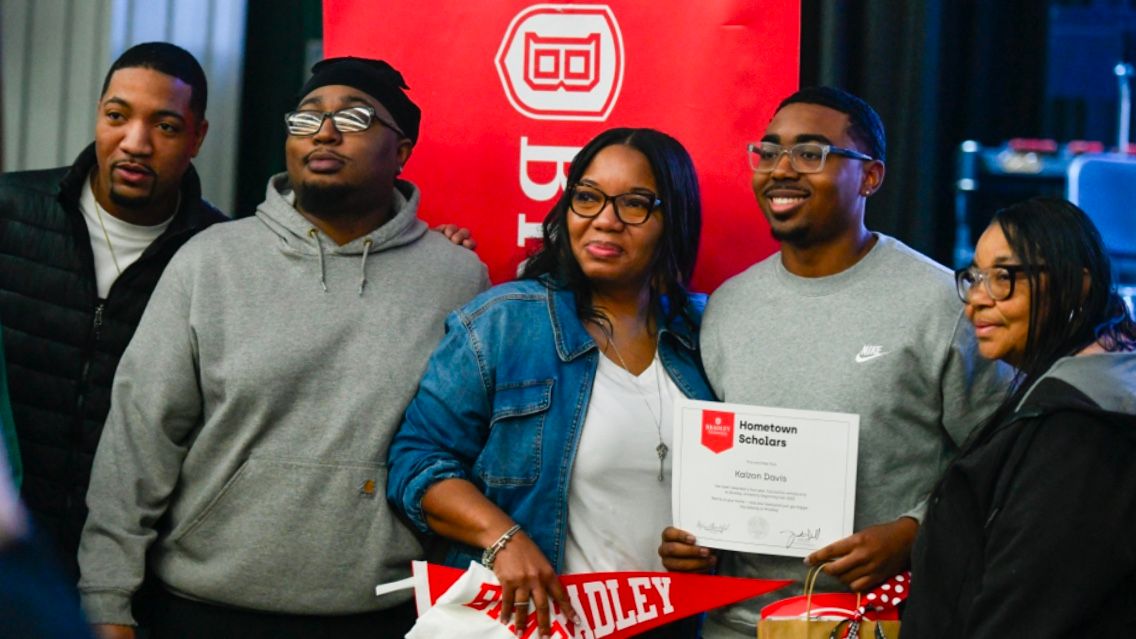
point(997, 281)
point(350, 120)
point(806, 157)
point(631, 208)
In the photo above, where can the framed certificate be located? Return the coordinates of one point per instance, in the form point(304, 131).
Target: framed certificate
point(764, 480)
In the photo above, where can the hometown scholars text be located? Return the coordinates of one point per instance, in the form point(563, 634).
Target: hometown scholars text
point(744, 438)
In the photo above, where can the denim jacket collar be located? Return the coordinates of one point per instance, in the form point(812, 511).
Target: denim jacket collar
point(679, 327)
point(572, 340)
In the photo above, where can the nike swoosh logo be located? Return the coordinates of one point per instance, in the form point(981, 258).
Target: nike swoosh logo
point(860, 359)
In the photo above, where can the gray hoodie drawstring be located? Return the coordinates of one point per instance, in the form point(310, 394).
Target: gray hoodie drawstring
point(363, 271)
point(314, 234)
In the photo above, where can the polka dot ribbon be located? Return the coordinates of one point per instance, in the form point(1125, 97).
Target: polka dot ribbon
point(887, 595)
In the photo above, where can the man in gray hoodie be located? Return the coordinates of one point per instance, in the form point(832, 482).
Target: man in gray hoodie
point(243, 461)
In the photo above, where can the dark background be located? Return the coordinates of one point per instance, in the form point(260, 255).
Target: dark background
point(938, 71)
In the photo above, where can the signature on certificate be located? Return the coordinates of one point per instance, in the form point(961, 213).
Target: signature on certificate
point(804, 538)
point(712, 527)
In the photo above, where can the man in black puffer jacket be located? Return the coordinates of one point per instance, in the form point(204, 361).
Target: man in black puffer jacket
point(81, 249)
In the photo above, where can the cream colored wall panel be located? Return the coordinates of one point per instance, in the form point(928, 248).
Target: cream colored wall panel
point(188, 29)
point(14, 45)
point(86, 67)
point(45, 86)
point(54, 54)
point(225, 60)
point(149, 20)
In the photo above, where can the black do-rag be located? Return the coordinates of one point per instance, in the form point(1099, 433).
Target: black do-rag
point(377, 79)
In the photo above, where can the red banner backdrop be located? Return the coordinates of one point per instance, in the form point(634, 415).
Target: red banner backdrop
point(510, 90)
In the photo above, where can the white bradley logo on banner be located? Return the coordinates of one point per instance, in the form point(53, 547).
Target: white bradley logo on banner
point(558, 62)
point(562, 62)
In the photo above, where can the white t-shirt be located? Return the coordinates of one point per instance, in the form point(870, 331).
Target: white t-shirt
point(617, 507)
point(129, 240)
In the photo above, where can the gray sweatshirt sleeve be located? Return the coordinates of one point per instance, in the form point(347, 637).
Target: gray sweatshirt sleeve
point(155, 406)
point(971, 385)
point(710, 344)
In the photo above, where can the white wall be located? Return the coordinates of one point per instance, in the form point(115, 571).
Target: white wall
point(54, 54)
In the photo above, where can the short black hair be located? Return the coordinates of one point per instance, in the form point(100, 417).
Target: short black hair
point(866, 126)
point(673, 263)
point(171, 60)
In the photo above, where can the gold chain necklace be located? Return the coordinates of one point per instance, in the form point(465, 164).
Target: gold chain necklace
point(661, 450)
point(106, 236)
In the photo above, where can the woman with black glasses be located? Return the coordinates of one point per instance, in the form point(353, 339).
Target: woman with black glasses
point(1032, 530)
point(539, 438)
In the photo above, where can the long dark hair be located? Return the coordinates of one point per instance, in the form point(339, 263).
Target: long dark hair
point(673, 263)
point(1064, 317)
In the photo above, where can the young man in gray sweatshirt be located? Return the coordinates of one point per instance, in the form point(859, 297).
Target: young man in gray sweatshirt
point(848, 320)
point(243, 461)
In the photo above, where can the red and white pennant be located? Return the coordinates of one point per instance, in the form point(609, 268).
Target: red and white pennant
point(467, 604)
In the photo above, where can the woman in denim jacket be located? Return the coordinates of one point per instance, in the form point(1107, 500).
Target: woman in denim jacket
point(539, 436)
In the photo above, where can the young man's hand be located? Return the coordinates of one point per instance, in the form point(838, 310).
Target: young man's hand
point(680, 552)
point(869, 556)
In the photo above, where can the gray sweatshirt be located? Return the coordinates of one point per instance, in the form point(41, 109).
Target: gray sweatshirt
point(250, 416)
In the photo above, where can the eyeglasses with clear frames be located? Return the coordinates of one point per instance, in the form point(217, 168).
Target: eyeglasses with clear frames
point(350, 120)
point(806, 157)
point(997, 281)
point(632, 208)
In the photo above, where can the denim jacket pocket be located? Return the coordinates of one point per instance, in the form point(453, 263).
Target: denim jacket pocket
point(512, 453)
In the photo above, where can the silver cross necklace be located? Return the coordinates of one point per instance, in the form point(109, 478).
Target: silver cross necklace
point(661, 450)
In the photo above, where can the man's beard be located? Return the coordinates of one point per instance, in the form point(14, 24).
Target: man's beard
point(325, 200)
point(795, 235)
point(131, 202)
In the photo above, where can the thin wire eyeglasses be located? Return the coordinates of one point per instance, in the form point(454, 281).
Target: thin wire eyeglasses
point(350, 120)
point(631, 208)
point(806, 157)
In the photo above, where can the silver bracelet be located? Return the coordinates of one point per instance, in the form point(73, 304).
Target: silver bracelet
point(490, 553)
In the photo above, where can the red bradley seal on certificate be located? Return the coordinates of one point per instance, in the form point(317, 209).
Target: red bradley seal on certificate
point(717, 430)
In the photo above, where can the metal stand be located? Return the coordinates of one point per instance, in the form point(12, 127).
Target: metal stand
point(1123, 71)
